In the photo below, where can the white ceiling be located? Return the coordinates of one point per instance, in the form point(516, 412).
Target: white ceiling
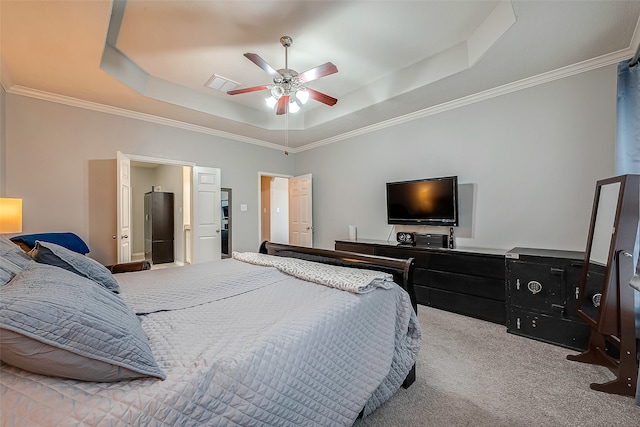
point(397, 60)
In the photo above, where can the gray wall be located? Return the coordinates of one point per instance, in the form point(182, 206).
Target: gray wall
point(527, 162)
point(51, 148)
point(3, 143)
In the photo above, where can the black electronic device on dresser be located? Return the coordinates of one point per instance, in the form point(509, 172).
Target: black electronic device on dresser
point(542, 294)
point(424, 240)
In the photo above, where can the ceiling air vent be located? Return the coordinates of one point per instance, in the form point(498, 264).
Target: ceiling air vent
point(220, 83)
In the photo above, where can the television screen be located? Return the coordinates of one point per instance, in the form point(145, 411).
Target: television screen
point(431, 201)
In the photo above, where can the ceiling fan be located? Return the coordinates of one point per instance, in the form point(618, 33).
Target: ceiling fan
point(288, 88)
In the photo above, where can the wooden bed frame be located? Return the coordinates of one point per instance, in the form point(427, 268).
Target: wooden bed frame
point(401, 269)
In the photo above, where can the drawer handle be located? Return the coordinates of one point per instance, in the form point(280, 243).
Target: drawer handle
point(595, 299)
point(557, 271)
point(534, 287)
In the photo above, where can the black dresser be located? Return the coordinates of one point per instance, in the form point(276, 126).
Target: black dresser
point(467, 281)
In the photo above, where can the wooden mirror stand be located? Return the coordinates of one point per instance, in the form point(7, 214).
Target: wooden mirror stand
point(606, 300)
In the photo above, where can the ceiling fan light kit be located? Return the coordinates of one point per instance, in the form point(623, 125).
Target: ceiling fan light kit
point(288, 91)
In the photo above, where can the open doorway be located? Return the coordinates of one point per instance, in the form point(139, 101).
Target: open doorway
point(274, 197)
point(197, 218)
point(286, 209)
point(162, 180)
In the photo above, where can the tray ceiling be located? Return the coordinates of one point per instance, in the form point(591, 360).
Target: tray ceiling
point(397, 60)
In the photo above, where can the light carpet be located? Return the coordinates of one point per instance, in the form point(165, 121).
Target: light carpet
point(473, 373)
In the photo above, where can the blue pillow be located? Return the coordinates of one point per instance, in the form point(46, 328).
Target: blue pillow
point(52, 254)
point(68, 240)
point(56, 323)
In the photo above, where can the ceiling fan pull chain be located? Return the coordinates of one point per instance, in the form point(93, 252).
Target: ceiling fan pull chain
point(286, 134)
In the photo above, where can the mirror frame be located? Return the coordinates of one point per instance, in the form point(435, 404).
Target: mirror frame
point(603, 322)
point(615, 323)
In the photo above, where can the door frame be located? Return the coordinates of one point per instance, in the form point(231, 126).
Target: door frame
point(157, 161)
point(260, 175)
point(229, 192)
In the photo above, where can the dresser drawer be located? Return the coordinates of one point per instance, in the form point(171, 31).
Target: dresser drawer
point(400, 252)
point(354, 247)
point(466, 284)
point(567, 333)
point(468, 305)
point(471, 264)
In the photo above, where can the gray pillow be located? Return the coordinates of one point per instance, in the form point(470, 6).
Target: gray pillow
point(36, 356)
point(77, 328)
point(12, 260)
point(5, 276)
point(12, 257)
point(52, 254)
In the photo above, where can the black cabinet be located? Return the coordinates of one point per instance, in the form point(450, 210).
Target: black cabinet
point(542, 292)
point(158, 227)
point(465, 281)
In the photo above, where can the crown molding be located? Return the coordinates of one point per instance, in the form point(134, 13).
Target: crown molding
point(102, 108)
point(581, 67)
point(568, 71)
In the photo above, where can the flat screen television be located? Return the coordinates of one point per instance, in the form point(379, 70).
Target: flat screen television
point(432, 201)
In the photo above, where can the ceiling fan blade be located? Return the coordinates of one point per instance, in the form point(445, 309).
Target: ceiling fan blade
point(317, 72)
point(247, 89)
point(321, 97)
point(256, 59)
point(283, 103)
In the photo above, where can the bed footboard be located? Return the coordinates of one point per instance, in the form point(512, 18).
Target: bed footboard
point(401, 269)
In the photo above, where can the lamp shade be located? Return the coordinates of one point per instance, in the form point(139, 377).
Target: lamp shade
point(271, 102)
point(303, 95)
point(10, 215)
point(293, 107)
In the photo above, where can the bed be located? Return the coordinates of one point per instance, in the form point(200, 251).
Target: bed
point(251, 340)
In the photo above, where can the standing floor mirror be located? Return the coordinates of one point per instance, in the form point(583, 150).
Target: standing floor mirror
point(606, 300)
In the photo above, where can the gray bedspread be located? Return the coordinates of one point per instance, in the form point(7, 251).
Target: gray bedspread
point(240, 345)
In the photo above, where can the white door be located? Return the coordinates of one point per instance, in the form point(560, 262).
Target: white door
point(207, 222)
point(300, 211)
point(123, 235)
